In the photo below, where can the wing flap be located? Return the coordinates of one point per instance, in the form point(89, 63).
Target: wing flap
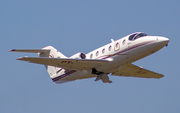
point(75, 64)
point(131, 70)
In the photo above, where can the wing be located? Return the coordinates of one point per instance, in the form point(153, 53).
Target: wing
point(130, 70)
point(72, 64)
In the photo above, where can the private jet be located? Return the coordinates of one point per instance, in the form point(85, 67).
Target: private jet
point(115, 59)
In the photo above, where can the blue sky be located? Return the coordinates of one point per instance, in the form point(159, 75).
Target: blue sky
point(74, 26)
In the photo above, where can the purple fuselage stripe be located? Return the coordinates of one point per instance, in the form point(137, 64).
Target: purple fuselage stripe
point(64, 75)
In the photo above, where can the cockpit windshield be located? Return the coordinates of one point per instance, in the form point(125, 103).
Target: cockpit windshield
point(136, 36)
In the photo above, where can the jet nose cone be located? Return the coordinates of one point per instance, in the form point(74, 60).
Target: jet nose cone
point(163, 40)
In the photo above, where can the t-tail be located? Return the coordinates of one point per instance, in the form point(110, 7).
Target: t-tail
point(53, 53)
point(49, 52)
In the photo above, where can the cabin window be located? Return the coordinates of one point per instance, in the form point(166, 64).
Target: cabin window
point(97, 53)
point(109, 48)
point(91, 56)
point(123, 41)
point(103, 51)
point(117, 44)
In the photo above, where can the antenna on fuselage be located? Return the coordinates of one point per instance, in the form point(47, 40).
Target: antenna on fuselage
point(112, 40)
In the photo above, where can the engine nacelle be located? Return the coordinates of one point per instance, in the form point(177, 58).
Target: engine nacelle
point(79, 56)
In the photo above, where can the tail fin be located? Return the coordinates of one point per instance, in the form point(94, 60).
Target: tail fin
point(48, 51)
point(53, 53)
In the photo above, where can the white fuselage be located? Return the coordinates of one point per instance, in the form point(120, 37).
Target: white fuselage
point(119, 52)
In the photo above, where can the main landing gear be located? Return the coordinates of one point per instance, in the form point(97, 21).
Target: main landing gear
point(101, 76)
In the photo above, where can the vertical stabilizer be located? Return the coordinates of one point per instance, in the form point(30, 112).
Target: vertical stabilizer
point(53, 53)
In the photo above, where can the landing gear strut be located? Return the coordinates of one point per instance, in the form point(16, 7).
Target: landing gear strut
point(101, 76)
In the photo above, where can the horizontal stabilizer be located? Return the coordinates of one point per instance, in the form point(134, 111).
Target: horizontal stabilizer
point(29, 50)
point(73, 64)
